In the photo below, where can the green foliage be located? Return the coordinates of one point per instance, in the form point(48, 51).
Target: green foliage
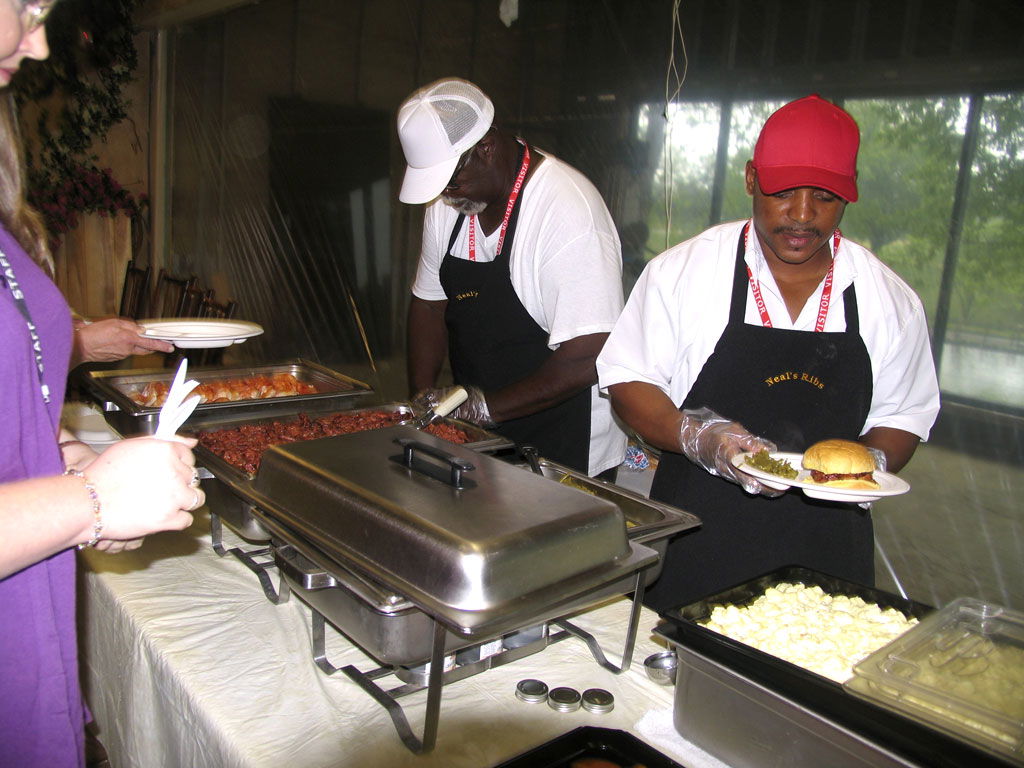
point(78, 95)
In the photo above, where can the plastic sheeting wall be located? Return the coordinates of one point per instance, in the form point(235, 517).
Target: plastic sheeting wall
point(285, 164)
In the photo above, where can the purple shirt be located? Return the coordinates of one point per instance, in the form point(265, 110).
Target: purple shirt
point(41, 717)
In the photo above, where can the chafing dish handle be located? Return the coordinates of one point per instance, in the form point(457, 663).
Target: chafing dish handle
point(456, 464)
point(531, 454)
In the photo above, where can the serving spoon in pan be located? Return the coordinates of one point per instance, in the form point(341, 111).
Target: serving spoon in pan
point(453, 400)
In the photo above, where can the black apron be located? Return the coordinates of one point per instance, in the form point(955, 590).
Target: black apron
point(493, 341)
point(793, 388)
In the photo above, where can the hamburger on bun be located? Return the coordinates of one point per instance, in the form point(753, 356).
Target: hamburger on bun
point(841, 464)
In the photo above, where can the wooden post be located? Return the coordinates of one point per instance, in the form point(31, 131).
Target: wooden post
point(91, 263)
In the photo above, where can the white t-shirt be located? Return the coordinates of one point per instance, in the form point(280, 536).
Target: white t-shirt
point(680, 306)
point(565, 266)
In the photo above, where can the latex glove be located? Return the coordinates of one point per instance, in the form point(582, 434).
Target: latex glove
point(711, 441)
point(473, 410)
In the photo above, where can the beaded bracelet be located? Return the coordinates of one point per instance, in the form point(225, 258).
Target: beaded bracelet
point(97, 525)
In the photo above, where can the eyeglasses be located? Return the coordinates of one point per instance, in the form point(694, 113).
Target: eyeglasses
point(34, 13)
point(463, 160)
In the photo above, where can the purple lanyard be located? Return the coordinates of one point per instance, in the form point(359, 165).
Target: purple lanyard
point(19, 302)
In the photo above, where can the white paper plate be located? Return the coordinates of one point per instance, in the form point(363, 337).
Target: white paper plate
point(200, 334)
point(888, 483)
point(87, 424)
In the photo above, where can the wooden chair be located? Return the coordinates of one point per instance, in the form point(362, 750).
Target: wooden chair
point(192, 301)
point(210, 308)
point(135, 293)
point(213, 310)
point(169, 294)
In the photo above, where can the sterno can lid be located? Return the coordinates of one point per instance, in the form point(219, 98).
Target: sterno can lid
point(598, 700)
point(532, 691)
point(564, 699)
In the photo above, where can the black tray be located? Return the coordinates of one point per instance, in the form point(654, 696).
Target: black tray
point(617, 747)
point(819, 694)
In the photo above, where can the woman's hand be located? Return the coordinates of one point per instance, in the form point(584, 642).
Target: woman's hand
point(111, 547)
point(144, 485)
point(115, 338)
point(77, 454)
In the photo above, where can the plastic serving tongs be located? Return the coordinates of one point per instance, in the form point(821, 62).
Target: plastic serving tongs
point(176, 409)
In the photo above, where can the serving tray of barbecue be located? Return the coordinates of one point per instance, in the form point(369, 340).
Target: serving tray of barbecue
point(131, 399)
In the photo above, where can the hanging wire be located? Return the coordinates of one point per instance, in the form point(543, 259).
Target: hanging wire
point(673, 85)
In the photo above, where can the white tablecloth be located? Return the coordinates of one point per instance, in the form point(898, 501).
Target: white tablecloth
point(186, 663)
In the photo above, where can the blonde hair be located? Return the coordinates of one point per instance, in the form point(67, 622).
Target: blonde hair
point(20, 219)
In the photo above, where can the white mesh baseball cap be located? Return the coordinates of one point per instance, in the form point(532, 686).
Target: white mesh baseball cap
point(436, 125)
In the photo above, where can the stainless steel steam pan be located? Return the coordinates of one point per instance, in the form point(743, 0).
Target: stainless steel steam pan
point(392, 628)
point(791, 715)
point(474, 541)
point(112, 391)
point(388, 626)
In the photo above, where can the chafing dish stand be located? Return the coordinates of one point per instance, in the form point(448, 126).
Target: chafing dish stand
point(436, 676)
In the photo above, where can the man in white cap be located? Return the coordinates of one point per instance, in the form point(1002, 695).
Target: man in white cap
point(772, 333)
point(519, 279)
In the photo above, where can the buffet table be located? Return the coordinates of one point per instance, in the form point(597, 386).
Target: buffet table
point(186, 663)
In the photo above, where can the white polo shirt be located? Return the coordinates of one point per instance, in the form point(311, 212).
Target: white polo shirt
point(565, 267)
point(680, 306)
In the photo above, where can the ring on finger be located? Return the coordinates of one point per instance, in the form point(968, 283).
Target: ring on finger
point(194, 482)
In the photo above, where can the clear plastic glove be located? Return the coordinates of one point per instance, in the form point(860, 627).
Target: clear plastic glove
point(881, 461)
point(711, 441)
point(474, 410)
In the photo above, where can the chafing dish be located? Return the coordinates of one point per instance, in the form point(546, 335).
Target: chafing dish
point(112, 390)
point(393, 631)
point(422, 551)
point(229, 489)
point(475, 541)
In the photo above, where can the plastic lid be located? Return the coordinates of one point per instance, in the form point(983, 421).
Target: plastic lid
point(960, 670)
point(598, 700)
point(564, 699)
point(531, 691)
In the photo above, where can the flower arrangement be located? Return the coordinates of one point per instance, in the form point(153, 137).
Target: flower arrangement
point(75, 98)
point(82, 188)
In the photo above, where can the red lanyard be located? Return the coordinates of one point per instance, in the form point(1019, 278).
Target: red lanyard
point(826, 291)
point(513, 196)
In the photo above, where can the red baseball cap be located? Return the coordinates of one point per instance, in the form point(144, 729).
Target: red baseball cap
point(809, 142)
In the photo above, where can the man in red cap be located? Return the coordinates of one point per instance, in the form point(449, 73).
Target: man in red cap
point(772, 333)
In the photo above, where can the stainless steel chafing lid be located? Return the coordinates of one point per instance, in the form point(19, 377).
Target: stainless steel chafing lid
point(504, 534)
point(646, 519)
